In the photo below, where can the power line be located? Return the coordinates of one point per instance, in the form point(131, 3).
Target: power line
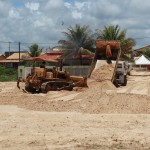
point(139, 38)
point(37, 43)
point(10, 45)
point(7, 42)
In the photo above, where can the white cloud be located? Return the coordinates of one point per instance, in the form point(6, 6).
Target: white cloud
point(32, 6)
point(80, 5)
point(76, 15)
point(53, 4)
point(68, 5)
point(38, 23)
point(13, 13)
point(41, 20)
point(4, 7)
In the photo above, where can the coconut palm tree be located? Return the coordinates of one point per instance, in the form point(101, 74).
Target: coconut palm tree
point(78, 36)
point(114, 32)
point(34, 50)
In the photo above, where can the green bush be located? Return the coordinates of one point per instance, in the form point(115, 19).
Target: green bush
point(7, 74)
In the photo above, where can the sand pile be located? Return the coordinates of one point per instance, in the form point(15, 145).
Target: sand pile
point(103, 73)
point(101, 77)
point(93, 100)
point(99, 100)
point(100, 97)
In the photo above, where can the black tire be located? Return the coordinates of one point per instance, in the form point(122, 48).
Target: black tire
point(125, 81)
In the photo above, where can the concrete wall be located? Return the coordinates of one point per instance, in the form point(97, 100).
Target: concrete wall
point(73, 70)
point(77, 70)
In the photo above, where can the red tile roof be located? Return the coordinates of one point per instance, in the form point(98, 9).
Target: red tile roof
point(41, 58)
point(54, 57)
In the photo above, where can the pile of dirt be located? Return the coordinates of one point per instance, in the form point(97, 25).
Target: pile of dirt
point(100, 97)
point(99, 100)
point(96, 99)
point(103, 73)
point(101, 77)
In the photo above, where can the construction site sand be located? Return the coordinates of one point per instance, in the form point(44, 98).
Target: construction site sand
point(103, 73)
point(101, 96)
point(108, 120)
point(34, 130)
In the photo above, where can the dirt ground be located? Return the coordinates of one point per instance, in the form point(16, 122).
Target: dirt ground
point(98, 117)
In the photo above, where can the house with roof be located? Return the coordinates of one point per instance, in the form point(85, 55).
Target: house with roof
point(14, 59)
point(141, 50)
point(2, 57)
point(71, 58)
point(71, 63)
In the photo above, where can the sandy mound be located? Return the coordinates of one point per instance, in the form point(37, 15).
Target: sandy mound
point(100, 97)
point(101, 78)
point(98, 100)
point(95, 99)
point(103, 73)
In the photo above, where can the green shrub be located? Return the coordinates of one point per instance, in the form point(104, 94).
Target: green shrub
point(7, 74)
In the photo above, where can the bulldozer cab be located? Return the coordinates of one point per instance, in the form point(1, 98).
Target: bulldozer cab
point(40, 72)
point(46, 73)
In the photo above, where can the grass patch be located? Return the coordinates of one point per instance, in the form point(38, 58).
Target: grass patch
point(8, 74)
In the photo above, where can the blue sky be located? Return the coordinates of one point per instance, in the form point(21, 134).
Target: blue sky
point(17, 3)
point(69, 0)
point(36, 21)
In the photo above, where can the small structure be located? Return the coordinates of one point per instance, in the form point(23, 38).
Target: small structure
point(143, 61)
point(142, 49)
point(71, 58)
point(50, 57)
point(2, 57)
point(14, 59)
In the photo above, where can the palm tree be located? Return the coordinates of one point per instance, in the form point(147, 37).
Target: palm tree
point(114, 32)
point(34, 50)
point(77, 36)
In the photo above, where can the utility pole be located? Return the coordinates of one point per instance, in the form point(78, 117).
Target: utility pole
point(9, 48)
point(19, 51)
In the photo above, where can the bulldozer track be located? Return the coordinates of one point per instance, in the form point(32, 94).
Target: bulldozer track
point(56, 86)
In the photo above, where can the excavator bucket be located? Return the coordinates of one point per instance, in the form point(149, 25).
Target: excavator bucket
point(107, 49)
point(105, 60)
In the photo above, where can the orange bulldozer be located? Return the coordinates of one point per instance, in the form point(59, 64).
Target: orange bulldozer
point(45, 79)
